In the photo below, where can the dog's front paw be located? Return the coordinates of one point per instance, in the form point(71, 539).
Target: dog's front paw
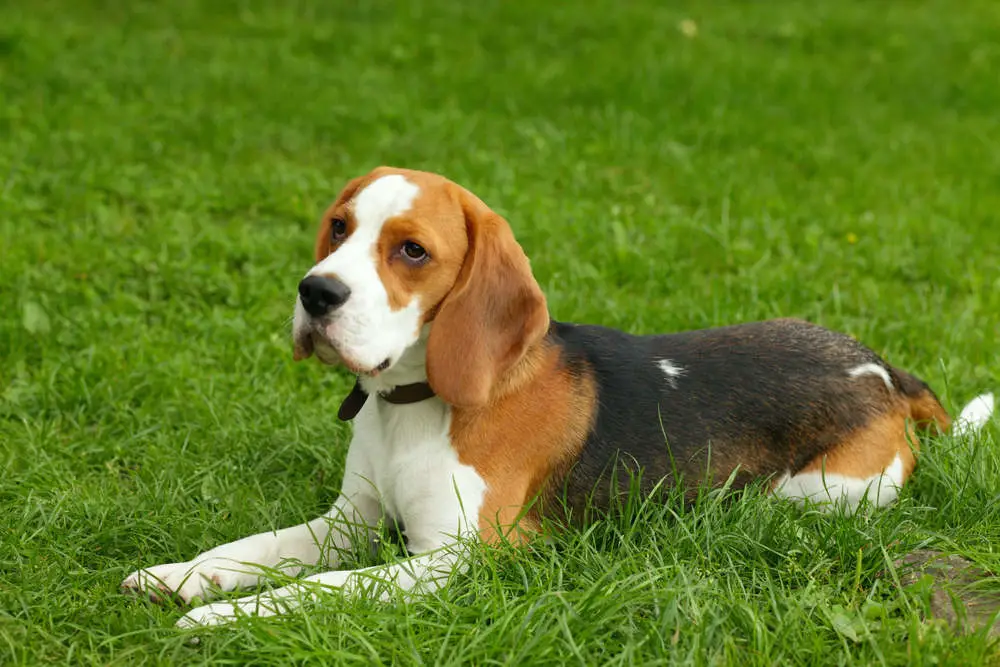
point(184, 581)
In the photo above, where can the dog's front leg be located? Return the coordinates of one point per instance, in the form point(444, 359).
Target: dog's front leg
point(244, 563)
point(438, 531)
point(420, 574)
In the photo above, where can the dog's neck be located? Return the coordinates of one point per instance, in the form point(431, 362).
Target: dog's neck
point(410, 369)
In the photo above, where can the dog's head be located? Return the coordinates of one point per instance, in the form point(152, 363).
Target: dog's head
point(400, 253)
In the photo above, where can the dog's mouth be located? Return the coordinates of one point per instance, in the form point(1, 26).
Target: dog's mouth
point(381, 367)
point(328, 353)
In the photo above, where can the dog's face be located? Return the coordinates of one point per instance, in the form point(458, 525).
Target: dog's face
point(388, 251)
point(402, 250)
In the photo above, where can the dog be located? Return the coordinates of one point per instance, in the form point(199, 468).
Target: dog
point(476, 415)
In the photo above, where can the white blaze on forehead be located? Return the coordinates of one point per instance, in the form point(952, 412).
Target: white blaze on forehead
point(366, 330)
point(382, 199)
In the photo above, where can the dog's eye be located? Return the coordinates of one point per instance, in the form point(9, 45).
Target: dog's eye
point(338, 230)
point(413, 252)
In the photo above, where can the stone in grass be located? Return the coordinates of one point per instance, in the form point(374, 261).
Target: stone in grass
point(953, 588)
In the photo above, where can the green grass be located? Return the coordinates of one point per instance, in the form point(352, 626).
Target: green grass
point(162, 166)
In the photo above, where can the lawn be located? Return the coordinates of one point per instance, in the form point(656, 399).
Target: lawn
point(666, 166)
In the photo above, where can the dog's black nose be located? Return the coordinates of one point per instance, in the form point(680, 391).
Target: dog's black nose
point(320, 294)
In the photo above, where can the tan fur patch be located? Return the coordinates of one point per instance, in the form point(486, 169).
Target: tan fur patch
point(444, 240)
point(869, 450)
point(533, 430)
point(926, 412)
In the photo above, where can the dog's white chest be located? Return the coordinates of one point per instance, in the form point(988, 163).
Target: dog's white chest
point(415, 470)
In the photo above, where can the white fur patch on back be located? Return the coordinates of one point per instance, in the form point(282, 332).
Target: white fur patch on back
point(834, 490)
point(671, 370)
point(872, 369)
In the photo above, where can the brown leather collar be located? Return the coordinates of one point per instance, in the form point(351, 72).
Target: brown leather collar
point(401, 395)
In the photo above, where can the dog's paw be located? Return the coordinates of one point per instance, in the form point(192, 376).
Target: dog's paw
point(184, 582)
point(207, 615)
point(219, 613)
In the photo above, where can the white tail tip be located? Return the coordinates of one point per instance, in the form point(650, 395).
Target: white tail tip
point(974, 415)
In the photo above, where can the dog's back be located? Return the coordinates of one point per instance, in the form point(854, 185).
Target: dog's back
point(768, 399)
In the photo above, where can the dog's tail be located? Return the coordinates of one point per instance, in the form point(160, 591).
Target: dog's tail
point(926, 409)
point(974, 415)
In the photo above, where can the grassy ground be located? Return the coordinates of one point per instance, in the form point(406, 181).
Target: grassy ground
point(161, 169)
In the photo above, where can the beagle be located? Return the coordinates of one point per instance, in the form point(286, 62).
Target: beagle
point(475, 414)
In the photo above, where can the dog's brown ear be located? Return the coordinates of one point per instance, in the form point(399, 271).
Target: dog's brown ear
point(494, 313)
point(323, 236)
